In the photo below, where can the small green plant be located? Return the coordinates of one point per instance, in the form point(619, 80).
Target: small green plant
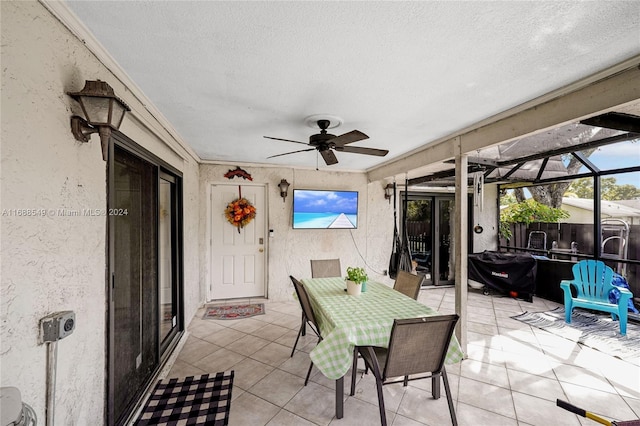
point(357, 275)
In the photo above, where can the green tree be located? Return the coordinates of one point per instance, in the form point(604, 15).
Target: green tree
point(507, 198)
point(527, 212)
point(418, 210)
point(551, 194)
point(622, 192)
point(609, 189)
point(581, 188)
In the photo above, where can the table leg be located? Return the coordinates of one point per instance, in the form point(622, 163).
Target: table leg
point(340, 397)
point(435, 387)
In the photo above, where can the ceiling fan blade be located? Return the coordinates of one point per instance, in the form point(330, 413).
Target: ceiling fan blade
point(292, 152)
point(349, 137)
point(286, 140)
point(362, 150)
point(329, 157)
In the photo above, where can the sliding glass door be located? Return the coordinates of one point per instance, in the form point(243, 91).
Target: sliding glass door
point(144, 275)
point(430, 229)
point(168, 258)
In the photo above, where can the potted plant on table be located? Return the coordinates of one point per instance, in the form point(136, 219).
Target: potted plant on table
point(356, 277)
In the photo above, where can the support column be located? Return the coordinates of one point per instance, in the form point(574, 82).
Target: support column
point(461, 242)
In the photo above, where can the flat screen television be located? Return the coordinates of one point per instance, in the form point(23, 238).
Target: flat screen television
point(325, 209)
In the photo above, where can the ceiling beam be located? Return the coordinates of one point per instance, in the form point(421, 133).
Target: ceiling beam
point(615, 120)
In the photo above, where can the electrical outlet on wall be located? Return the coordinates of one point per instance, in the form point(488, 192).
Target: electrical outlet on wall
point(57, 325)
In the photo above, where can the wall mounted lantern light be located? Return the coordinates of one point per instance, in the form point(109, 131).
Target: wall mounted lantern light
point(103, 112)
point(284, 188)
point(388, 192)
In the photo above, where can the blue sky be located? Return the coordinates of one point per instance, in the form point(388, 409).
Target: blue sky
point(619, 155)
point(312, 201)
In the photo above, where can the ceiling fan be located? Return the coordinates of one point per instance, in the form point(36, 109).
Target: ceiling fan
point(325, 143)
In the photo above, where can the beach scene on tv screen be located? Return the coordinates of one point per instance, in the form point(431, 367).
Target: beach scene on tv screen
point(325, 209)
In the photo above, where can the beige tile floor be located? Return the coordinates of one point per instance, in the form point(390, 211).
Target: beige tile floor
point(512, 375)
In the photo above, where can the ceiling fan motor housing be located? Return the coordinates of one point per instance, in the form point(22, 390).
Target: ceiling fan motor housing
point(320, 138)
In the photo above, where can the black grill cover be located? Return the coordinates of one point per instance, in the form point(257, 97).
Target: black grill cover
point(505, 272)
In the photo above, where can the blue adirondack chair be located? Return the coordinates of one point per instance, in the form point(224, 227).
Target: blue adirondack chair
point(592, 281)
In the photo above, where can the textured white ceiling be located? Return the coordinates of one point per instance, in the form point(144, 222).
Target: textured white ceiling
point(225, 74)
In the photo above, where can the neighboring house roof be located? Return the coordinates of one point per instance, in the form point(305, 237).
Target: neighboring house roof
point(607, 208)
point(630, 203)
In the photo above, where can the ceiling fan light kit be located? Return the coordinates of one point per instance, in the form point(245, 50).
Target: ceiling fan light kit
point(325, 142)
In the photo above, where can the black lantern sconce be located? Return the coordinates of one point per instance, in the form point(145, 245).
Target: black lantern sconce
point(388, 192)
point(103, 112)
point(284, 189)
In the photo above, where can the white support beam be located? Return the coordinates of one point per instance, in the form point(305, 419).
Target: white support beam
point(461, 239)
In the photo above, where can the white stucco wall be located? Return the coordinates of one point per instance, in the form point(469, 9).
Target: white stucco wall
point(290, 251)
point(52, 262)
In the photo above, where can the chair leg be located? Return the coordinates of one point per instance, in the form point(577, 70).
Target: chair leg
point(306, 380)
point(354, 369)
point(447, 390)
point(435, 387)
point(296, 342)
point(568, 307)
point(622, 319)
point(383, 414)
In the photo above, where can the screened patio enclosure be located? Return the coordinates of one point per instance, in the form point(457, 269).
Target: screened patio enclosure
point(543, 157)
point(600, 156)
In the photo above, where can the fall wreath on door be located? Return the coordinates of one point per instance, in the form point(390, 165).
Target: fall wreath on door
point(240, 212)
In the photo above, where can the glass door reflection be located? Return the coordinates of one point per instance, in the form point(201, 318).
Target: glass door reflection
point(167, 306)
point(445, 271)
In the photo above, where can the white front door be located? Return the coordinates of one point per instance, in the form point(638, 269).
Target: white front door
point(237, 258)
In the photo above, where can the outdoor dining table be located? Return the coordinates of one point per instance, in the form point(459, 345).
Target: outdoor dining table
point(366, 320)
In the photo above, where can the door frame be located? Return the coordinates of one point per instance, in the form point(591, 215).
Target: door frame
point(436, 198)
point(163, 349)
point(177, 272)
point(209, 234)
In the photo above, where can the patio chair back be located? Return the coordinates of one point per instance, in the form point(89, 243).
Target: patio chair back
point(308, 316)
point(592, 282)
point(408, 284)
point(305, 304)
point(325, 268)
point(418, 345)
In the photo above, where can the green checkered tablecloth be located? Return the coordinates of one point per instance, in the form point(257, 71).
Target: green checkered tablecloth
point(346, 321)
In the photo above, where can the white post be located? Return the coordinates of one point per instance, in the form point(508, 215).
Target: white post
point(461, 242)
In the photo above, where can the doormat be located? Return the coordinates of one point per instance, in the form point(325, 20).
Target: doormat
point(194, 400)
point(230, 312)
point(596, 331)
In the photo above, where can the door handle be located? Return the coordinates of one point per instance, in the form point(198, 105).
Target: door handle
point(261, 250)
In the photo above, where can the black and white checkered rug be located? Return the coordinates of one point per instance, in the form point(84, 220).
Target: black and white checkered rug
point(199, 400)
